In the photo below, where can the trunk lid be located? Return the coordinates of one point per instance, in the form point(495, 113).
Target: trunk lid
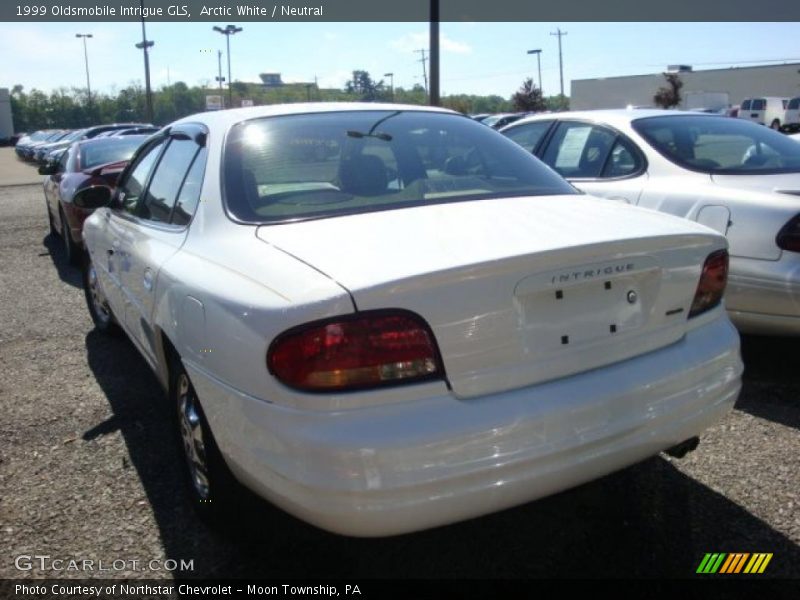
point(517, 290)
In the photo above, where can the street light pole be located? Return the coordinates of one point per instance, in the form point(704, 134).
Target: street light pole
point(391, 83)
point(538, 53)
point(86, 60)
point(143, 46)
point(228, 32)
point(219, 77)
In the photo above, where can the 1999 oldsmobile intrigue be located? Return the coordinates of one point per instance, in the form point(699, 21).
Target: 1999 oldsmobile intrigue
point(381, 318)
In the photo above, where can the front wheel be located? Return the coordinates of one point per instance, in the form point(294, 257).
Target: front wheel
point(96, 300)
point(71, 249)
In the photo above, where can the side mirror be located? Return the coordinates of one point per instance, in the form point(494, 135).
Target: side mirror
point(48, 169)
point(93, 197)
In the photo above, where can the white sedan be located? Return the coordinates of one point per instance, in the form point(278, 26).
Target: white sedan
point(385, 318)
point(737, 177)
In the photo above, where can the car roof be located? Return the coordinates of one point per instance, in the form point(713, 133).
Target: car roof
point(112, 140)
point(229, 117)
point(614, 117)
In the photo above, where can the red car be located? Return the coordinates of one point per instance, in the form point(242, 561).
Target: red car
point(84, 164)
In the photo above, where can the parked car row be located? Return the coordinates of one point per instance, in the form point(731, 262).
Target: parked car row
point(47, 145)
point(84, 164)
point(384, 318)
point(500, 120)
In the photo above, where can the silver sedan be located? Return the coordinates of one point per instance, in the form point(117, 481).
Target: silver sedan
point(736, 177)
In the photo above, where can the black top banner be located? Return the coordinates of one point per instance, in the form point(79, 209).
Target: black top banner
point(398, 10)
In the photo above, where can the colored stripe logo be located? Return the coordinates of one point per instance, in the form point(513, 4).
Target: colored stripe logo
point(734, 563)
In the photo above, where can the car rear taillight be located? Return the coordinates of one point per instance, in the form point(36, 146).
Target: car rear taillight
point(712, 283)
point(366, 350)
point(788, 237)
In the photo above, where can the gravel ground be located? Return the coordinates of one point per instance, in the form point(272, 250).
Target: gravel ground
point(89, 470)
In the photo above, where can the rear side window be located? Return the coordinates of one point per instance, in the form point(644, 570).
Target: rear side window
point(759, 104)
point(189, 196)
point(623, 161)
point(528, 135)
point(167, 181)
point(794, 104)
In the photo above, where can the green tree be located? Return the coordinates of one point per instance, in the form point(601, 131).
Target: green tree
point(557, 103)
point(367, 89)
point(669, 96)
point(528, 97)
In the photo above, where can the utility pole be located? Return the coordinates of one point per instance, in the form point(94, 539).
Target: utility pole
point(219, 77)
point(538, 54)
point(560, 34)
point(86, 60)
point(143, 46)
point(424, 68)
point(433, 44)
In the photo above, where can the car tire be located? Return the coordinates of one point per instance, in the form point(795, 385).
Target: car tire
point(53, 230)
point(212, 488)
point(72, 250)
point(99, 310)
point(776, 125)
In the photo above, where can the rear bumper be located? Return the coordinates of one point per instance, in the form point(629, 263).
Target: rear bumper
point(763, 296)
point(406, 466)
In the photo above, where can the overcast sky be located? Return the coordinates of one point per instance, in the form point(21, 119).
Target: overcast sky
point(477, 58)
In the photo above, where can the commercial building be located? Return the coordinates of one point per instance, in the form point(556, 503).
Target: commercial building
point(708, 88)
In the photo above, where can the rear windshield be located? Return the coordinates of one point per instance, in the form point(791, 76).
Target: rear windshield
point(108, 150)
point(720, 145)
point(327, 164)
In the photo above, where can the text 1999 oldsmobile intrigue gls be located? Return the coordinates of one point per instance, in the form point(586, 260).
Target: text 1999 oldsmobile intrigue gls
point(367, 314)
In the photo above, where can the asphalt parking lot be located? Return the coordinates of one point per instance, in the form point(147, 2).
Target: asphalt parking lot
point(89, 470)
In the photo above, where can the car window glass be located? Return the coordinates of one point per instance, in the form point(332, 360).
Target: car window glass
point(529, 134)
point(794, 104)
point(720, 145)
point(623, 160)
point(189, 196)
point(579, 149)
point(318, 165)
point(156, 205)
point(758, 104)
point(131, 189)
